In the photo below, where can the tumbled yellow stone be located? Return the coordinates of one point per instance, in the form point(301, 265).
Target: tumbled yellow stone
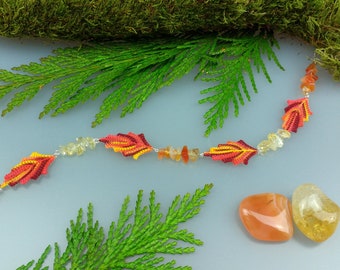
point(315, 214)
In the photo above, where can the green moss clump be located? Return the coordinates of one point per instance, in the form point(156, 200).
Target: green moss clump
point(314, 21)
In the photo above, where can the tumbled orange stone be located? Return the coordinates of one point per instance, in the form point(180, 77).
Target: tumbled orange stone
point(267, 217)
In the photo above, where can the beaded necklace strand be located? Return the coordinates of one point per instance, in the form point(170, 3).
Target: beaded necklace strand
point(295, 114)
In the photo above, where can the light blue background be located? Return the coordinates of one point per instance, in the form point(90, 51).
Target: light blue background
point(38, 214)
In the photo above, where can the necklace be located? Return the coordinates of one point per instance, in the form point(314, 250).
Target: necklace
point(295, 114)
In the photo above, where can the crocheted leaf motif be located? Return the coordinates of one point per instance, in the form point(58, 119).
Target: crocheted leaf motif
point(128, 73)
point(29, 168)
point(235, 152)
point(129, 144)
point(138, 240)
point(296, 113)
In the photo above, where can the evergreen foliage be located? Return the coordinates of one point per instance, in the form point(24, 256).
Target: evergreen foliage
point(230, 66)
point(138, 240)
point(128, 73)
point(316, 22)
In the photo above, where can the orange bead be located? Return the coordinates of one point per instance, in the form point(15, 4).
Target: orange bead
point(311, 68)
point(308, 81)
point(163, 153)
point(185, 154)
point(267, 217)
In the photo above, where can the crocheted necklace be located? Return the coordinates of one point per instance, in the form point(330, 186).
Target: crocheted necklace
point(295, 114)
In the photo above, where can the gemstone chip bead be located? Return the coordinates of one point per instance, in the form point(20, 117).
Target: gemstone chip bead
point(273, 142)
point(178, 154)
point(79, 147)
point(267, 217)
point(316, 215)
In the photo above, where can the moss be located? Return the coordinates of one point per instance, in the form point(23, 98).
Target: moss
point(314, 21)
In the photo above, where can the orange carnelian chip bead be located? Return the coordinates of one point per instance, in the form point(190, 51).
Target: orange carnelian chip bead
point(267, 217)
point(163, 153)
point(311, 68)
point(308, 81)
point(185, 154)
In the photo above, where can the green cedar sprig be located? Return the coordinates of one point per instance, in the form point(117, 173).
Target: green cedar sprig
point(138, 240)
point(231, 66)
point(128, 73)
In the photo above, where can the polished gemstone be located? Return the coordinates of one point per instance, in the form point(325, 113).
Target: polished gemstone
point(315, 214)
point(267, 217)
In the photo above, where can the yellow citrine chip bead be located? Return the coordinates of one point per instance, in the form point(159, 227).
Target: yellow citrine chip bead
point(264, 146)
point(273, 142)
point(77, 148)
point(194, 154)
point(316, 215)
point(175, 153)
point(284, 134)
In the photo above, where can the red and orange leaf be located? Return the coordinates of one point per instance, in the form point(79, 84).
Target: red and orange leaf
point(235, 152)
point(29, 168)
point(296, 113)
point(129, 144)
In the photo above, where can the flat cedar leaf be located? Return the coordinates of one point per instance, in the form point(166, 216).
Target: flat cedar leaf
point(229, 65)
point(138, 240)
point(127, 74)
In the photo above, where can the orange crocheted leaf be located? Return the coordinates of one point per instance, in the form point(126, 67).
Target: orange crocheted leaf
point(235, 152)
point(296, 113)
point(29, 168)
point(129, 144)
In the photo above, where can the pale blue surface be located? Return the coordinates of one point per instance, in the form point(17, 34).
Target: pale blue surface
point(36, 215)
